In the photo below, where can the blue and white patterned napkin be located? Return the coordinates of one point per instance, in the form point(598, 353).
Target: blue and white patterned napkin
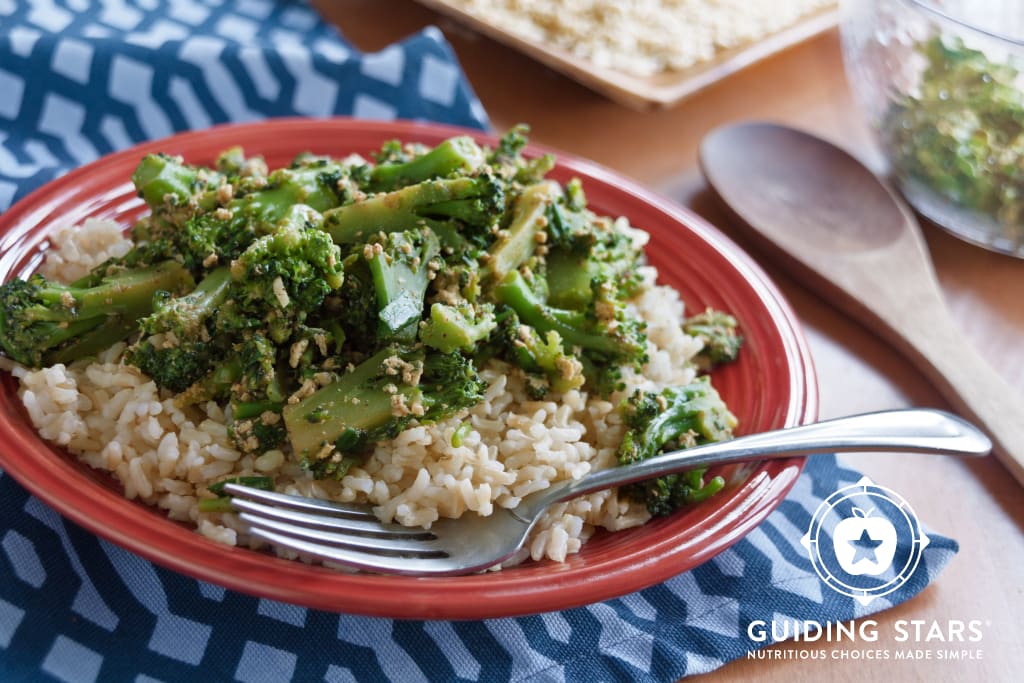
point(78, 80)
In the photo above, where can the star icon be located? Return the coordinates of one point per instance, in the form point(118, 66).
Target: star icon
point(864, 547)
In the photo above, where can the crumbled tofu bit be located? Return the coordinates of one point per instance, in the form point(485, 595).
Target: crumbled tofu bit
point(223, 214)
point(400, 408)
point(168, 340)
point(410, 372)
point(251, 444)
point(568, 367)
point(353, 160)
point(406, 248)
point(638, 238)
point(541, 236)
point(390, 389)
point(542, 250)
point(331, 260)
point(449, 295)
point(542, 222)
point(322, 379)
point(416, 262)
point(211, 260)
point(279, 292)
point(66, 300)
point(269, 417)
point(308, 388)
point(255, 167)
point(324, 452)
point(242, 427)
point(662, 403)
point(295, 353)
point(642, 37)
point(372, 249)
point(170, 199)
point(320, 339)
point(225, 193)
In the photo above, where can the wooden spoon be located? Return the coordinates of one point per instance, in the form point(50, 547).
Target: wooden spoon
point(835, 225)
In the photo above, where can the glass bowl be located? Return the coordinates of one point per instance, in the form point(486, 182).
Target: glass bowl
point(942, 82)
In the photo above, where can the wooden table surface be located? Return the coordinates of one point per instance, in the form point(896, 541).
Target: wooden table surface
point(976, 502)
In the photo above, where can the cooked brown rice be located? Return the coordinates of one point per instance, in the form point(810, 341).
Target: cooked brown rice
point(114, 418)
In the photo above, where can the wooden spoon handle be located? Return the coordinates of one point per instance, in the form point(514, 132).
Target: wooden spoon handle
point(967, 381)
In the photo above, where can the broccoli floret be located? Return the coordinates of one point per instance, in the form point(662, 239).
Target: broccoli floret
point(377, 400)
point(354, 306)
point(203, 234)
point(545, 357)
point(717, 330)
point(44, 322)
point(400, 268)
point(257, 426)
point(456, 155)
point(457, 327)
point(678, 417)
point(450, 206)
point(284, 277)
point(179, 338)
point(587, 251)
point(508, 158)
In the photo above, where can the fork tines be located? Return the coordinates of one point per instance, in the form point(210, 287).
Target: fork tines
point(297, 522)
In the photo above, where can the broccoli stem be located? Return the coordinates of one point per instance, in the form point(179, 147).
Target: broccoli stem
point(186, 314)
point(458, 154)
point(159, 177)
point(313, 185)
point(351, 403)
point(247, 410)
point(514, 292)
point(518, 242)
point(378, 398)
point(409, 207)
point(569, 278)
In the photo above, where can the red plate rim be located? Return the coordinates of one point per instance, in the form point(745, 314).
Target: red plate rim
point(65, 485)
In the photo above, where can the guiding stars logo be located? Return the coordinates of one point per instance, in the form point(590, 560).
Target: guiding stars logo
point(865, 541)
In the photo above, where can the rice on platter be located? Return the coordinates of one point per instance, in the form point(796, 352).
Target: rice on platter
point(502, 340)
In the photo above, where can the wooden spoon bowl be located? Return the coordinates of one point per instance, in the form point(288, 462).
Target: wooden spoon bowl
point(834, 225)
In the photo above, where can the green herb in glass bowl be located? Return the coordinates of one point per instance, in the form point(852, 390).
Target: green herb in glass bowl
point(961, 135)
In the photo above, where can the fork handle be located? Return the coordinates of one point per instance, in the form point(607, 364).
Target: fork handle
point(920, 430)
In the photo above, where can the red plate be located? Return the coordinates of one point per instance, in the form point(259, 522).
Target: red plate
point(772, 386)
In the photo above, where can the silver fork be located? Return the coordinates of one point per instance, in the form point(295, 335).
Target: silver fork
point(352, 536)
